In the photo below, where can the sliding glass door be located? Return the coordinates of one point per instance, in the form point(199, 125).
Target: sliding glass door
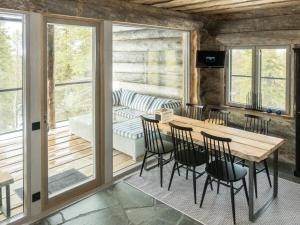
point(71, 70)
point(11, 115)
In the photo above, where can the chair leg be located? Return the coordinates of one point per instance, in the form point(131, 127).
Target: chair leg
point(187, 173)
point(194, 184)
point(178, 171)
point(210, 183)
point(267, 171)
point(143, 164)
point(171, 156)
point(172, 175)
point(245, 188)
point(161, 169)
point(218, 189)
point(255, 180)
point(204, 190)
point(232, 201)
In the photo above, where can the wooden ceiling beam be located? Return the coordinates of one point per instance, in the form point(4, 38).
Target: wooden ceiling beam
point(215, 3)
point(237, 4)
point(148, 2)
point(177, 3)
point(248, 8)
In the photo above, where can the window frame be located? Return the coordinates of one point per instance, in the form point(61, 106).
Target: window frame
point(228, 74)
point(256, 73)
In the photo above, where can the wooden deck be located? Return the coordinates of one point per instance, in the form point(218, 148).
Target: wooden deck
point(66, 152)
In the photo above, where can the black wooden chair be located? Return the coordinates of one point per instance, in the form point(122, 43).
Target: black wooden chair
point(194, 111)
point(155, 145)
point(218, 116)
point(186, 154)
point(260, 125)
point(220, 167)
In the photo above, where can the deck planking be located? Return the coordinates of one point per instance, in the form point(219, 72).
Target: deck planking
point(65, 151)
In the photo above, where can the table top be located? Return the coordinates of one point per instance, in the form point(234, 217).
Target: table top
point(245, 145)
point(5, 178)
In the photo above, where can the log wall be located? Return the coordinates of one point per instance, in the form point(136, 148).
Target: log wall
point(252, 28)
point(113, 10)
point(149, 60)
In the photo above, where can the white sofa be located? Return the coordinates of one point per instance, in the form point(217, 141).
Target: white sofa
point(128, 106)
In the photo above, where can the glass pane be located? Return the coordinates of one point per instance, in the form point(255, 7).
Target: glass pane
point(273, 93)
point(11, 112)
point(273, 63)
point(11, 53)
point(273, 81)
point(240, 87)
point(73, 51)
point(70, 106)
point(67, 98)
point(241, 62)
point(240, 75)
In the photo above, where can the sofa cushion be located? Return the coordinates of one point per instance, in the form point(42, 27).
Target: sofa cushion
point(142, 102)
point(157, 104)
point(132, 129)
point(172, 104)
point(116, 95)
point(118, 107)
point(126, 97)
point(129, 113)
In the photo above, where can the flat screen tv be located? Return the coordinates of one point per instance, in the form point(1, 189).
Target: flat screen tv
point(210, 59)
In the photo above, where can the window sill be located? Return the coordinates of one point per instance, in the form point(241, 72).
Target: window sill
point(254, 112)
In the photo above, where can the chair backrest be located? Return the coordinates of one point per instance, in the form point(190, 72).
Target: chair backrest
point(194, 111)
point(184, 149)
point(152, 136)
point(218, 116)
point(256, 124)
point(218, 150)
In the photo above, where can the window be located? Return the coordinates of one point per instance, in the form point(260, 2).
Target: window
point(258, 76)
point(71, 57)
point(273, 71)
point(240, 76)
point(12, 106)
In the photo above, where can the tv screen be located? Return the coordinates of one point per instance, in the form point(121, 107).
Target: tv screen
point(210, 59)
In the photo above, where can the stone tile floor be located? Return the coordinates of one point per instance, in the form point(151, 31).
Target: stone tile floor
point(120, 204)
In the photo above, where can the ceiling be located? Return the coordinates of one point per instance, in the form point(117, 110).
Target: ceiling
point(206, 7)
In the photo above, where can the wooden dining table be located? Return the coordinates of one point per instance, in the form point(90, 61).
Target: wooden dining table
point(252, 147)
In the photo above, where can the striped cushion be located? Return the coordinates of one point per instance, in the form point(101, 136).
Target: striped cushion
point(142, 102)
point(157, 104)
point(128, 113)
point(132, 129)
point(119, 107)
point(116, 95)
point(126, 97)
point(173, 104)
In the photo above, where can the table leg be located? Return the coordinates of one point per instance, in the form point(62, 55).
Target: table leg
point(7, 201)
point(275, 169)
point(251, 191)
point(0, 196)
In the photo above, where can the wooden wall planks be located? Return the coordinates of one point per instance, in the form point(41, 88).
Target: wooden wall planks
point(155, 60)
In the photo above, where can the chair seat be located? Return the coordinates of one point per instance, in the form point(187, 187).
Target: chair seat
point(217, 169)
point(191, 158)
point(168, 147)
